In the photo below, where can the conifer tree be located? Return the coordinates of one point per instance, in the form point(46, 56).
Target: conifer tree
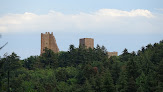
point(87, 87)
point(160, 77)
point(131, 86)
point(132, 74)
point(108, 82)
point(141, 82)
point(121, 85)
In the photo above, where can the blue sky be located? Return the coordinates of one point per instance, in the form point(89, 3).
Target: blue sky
point(116, 24)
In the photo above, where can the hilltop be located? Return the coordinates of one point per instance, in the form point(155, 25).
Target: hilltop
point(85, 70)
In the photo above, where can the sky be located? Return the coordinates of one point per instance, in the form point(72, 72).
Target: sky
point(116, 24)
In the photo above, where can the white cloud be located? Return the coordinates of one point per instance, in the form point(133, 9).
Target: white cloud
point(111, 21)
point(133, 13)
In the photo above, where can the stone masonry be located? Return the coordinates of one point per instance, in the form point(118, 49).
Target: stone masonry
point(112, 54)
point(87, 42)
point(49, 41)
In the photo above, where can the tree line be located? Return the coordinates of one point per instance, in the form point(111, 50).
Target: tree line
point(84, 70)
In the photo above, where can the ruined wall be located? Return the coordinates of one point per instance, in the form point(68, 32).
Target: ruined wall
point(48, 40)
point(112, 54)
point(87, 42)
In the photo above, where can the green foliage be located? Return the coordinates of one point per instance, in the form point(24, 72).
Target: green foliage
point(132, 69)
point(160, 72)
point(87, 87)
point(49, 59)
point(108, 82)
point(122, 82)
point(9, 69)
point(125, 56)
point(141, 82)
point(131, 87)
point(85, 70)
point(30, 62)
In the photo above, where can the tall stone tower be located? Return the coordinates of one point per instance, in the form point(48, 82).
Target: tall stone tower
point(48, 40)
point(87, 42)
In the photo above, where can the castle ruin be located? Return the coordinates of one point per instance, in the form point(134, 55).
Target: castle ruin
point(112, 54)
point(87, 42)
point(49, 41)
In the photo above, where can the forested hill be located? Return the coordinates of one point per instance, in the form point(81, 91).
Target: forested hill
point(85, 70)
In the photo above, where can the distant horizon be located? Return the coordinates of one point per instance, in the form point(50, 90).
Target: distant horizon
point(24, 57)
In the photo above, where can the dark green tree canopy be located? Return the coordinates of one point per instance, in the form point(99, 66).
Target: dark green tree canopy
point(85, 70)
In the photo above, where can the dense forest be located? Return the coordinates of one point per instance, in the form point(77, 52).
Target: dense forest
point(84, 70)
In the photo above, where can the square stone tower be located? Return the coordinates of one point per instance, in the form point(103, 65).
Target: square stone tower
point(87, 42)
point(48, 40)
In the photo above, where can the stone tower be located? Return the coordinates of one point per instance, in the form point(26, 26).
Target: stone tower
point(48, 40)
point(87, 42)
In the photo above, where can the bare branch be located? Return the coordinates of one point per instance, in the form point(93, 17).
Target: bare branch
point(3, 46)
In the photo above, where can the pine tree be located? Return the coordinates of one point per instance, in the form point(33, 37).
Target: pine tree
point(87, 87)
point(115, 71)
point(160, 77)
point(132, 69)
point(131, 87)
point(122, 82)
point(132, 74)
point(98, 83)
point(151, 81)
point(108, 82)
point(141, 83)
